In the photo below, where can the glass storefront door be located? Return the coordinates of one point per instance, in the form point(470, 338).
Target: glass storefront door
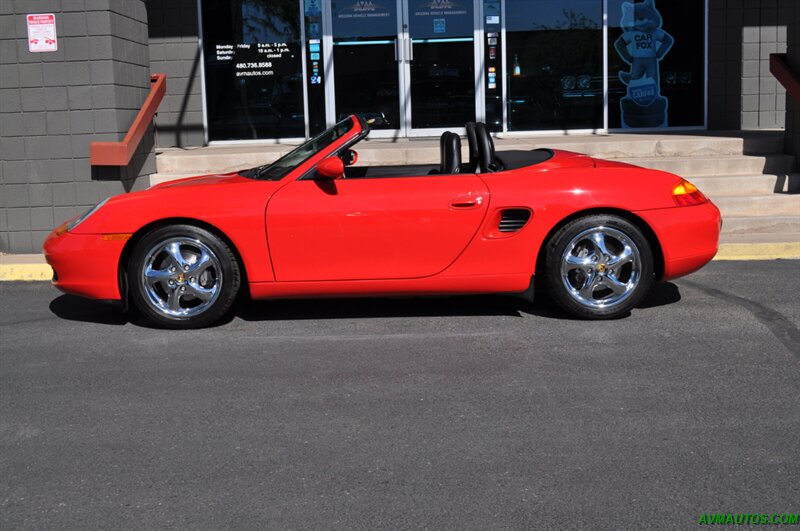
point(441, 63)
point(412, 62)
point(366, 60)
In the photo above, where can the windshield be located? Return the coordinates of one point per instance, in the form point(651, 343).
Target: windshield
point(283, 166)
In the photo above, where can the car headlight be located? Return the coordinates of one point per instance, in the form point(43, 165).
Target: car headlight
point(584, 82)
point(568, 82)
point(83, 217)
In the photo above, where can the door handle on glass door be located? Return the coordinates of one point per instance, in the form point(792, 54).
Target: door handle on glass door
point(410, 49)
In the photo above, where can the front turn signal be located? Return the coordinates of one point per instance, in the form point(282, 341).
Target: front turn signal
point(60, 230)
point(687, 194)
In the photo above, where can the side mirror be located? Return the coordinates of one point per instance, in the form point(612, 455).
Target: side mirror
point(350, 157)
point(331, 168)
point(375, 119)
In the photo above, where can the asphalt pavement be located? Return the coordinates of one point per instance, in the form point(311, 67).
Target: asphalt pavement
point(457, 413)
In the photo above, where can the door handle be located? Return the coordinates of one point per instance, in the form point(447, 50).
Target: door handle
point(396, 49)
point(410, 50)
point(466, 203)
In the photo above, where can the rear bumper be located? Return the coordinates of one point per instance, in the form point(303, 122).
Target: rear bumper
point(85, 264)
point(689, 236)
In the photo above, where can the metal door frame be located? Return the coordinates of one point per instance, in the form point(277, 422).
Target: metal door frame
point(330, 85)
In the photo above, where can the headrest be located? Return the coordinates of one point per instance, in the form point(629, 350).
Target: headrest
point(450, 146)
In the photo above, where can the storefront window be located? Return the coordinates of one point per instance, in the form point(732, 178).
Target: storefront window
point(412, 63)
point(656, 53)
point(253, 69)
point(554, 64)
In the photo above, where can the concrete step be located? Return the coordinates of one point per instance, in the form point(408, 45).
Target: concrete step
point(760, 224)
point(776, 237)
point(689, 167)
point(759, 205)
point(715, 186)
point(635, 146)
point(692, 167)
point(638, 147)
point(215, 159)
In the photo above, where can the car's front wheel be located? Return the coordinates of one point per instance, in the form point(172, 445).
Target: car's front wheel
point(598, 267)
point(182, 276)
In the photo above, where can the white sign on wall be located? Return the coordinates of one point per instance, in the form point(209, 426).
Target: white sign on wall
point(42, 33)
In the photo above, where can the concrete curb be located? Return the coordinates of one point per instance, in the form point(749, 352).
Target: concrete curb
point(32, 267)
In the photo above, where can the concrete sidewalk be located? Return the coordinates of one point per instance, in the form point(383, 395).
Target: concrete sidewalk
point(32, 267)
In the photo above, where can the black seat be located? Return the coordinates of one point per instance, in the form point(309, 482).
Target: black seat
point(474, 157)
point(450, 151)
point(487, 159)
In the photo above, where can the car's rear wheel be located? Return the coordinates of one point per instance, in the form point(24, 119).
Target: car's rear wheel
point(598, 267)
point(182, 276)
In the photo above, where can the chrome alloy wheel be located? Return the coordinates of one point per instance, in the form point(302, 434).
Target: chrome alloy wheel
point(601, 267)
point(181, 277)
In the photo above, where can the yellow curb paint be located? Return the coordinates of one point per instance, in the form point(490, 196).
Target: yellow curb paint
point(758, 251)
point(25, 272)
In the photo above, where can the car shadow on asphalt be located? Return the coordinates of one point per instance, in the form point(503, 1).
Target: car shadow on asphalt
point(661, 294)
point(74, 308)
point(465, 306)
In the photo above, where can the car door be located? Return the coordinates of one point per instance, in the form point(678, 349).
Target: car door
point(384, 228)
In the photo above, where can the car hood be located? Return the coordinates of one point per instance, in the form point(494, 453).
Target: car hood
point(203, 180)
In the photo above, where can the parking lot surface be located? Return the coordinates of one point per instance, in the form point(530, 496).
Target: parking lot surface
point(458, 413)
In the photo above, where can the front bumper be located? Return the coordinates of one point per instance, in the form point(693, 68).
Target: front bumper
point(689, 236)
point(85, 264)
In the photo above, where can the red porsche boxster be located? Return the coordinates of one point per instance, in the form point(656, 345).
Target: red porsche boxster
point(594, 233)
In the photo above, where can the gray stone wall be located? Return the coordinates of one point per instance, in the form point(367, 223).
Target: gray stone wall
point(175, 51)
point(742, 93)
point(54, 104)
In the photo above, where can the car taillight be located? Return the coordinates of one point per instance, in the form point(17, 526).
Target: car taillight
point(687, 194)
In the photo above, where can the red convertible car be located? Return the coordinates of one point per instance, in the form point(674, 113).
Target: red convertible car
point(595, 233)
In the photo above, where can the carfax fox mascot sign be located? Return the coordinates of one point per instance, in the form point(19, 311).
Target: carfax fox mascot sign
point(643, 44)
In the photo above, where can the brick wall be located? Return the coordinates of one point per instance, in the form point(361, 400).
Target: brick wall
point(175, 51)
point(52, 105)
point(742, 94)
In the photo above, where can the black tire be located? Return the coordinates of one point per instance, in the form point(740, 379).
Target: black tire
point(589, 283)
point(183, 276)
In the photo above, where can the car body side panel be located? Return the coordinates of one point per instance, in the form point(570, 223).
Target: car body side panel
point(233, 205)
point(554, 195)
point(85, 264)
point(689, 240)
point(358, 229)
point(438, 285)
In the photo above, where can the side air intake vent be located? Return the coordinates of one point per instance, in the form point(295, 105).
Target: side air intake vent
point(513, 219)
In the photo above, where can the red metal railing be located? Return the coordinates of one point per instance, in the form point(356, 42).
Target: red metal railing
point(120, 153)
point(780, 69)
